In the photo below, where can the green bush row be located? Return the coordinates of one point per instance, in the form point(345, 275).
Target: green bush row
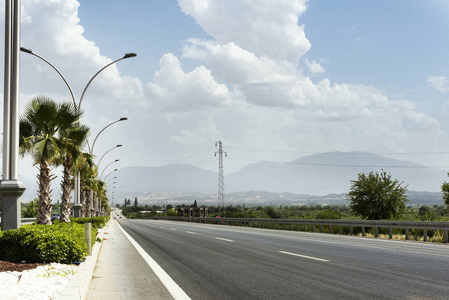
point(62, 243)
point(97, 222)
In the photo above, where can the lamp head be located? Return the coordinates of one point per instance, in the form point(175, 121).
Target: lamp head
point(118, 146)
point(29, 51)
point(123, 119)
point(129, 55)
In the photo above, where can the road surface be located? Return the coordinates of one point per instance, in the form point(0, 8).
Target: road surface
point(223, 262)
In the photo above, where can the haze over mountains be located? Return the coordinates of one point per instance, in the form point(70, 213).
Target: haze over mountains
point(319, 174)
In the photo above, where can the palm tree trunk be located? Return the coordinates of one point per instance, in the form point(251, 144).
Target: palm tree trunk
point(82, 200)
point(88, 203)
point(66, 204)
point(44, 205)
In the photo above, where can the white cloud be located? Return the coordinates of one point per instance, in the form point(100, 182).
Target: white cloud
point(263, 27)
point(314, 67)
point(175, 90)
point(440, 83)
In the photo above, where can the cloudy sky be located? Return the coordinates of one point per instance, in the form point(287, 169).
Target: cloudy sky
point(272, 80)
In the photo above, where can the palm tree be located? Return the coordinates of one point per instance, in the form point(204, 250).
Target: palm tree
point(88, 171)
point(40, 125)
point(71, 140)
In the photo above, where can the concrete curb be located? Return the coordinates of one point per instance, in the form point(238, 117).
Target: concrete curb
point(78, 285)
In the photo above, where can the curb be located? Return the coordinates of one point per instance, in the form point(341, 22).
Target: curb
point(78, 285)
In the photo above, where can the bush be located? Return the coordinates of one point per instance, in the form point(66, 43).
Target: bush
point(61, 243)
point(97, 222)
point(328, 214)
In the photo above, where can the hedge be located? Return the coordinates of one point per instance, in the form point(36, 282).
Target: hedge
point(62, 243)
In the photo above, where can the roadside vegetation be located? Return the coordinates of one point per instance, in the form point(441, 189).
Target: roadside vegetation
point(61, 242)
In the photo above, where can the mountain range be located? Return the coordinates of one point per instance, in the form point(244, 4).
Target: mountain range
point(319, 174)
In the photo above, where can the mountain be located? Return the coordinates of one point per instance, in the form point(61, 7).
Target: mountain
point(332, 172)
point(319, 174)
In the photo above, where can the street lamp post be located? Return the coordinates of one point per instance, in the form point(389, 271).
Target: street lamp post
point(98, 165)
point(110, 174)
point(11, 188)
point(77, 204)
point(91, 151)
point(108, 166)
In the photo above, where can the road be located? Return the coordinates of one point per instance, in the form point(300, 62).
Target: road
point(223, 262)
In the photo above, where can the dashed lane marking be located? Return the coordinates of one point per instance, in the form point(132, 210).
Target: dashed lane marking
point(222, 239)
point(304, 256)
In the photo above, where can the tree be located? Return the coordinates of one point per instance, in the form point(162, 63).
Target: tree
point(40, 126)
point(71, 140)
point(376, 196)
point(445, 191)
point(87, 169)
point(135, 202)
point(31, 209)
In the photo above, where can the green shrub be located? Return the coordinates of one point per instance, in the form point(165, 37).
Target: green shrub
point(97, 222)
point(62, 243)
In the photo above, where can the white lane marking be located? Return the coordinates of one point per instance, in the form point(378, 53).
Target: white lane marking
point(231, 241)
point(191, 232)
point(304, 256)
point(172, 228)
point(172, 287)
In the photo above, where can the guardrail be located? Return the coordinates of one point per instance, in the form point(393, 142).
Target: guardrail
point(23, 221)
point(312, 224)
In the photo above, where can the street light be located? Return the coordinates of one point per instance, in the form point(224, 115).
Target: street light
point(98, 165)
point(77, 205)
point(115, 177)
point(11, 188)
point(109, 174)
point(108, 166)
point(29, 51)
point(91, 150)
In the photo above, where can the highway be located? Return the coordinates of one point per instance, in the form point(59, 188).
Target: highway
point(223, 262)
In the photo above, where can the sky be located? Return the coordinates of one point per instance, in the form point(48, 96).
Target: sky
point(272, 80)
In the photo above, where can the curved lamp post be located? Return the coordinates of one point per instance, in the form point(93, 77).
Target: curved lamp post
point(77, 205)
point(29, 51)
point(108, 166)
point(91, 150)
point(115, 177)
point(98, 165)
point(110, 174)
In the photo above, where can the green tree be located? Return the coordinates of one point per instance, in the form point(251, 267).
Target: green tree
point(445, 191)
point(31, 209)
point(72, 141)
point(328, 214)
point(136, 202)
point(41, 124)
point(377, 196)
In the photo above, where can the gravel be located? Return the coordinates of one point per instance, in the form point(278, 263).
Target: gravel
point(43, 282)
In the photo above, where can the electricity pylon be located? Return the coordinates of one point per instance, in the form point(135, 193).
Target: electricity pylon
point(220, 174)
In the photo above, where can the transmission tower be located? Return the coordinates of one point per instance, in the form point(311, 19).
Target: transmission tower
point(220, 174)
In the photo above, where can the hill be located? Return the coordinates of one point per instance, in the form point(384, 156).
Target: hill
point(318, 175)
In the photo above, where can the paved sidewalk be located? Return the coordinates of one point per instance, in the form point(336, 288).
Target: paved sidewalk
point(121, 272)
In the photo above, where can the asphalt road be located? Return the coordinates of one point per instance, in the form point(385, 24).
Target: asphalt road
point(223, 262)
